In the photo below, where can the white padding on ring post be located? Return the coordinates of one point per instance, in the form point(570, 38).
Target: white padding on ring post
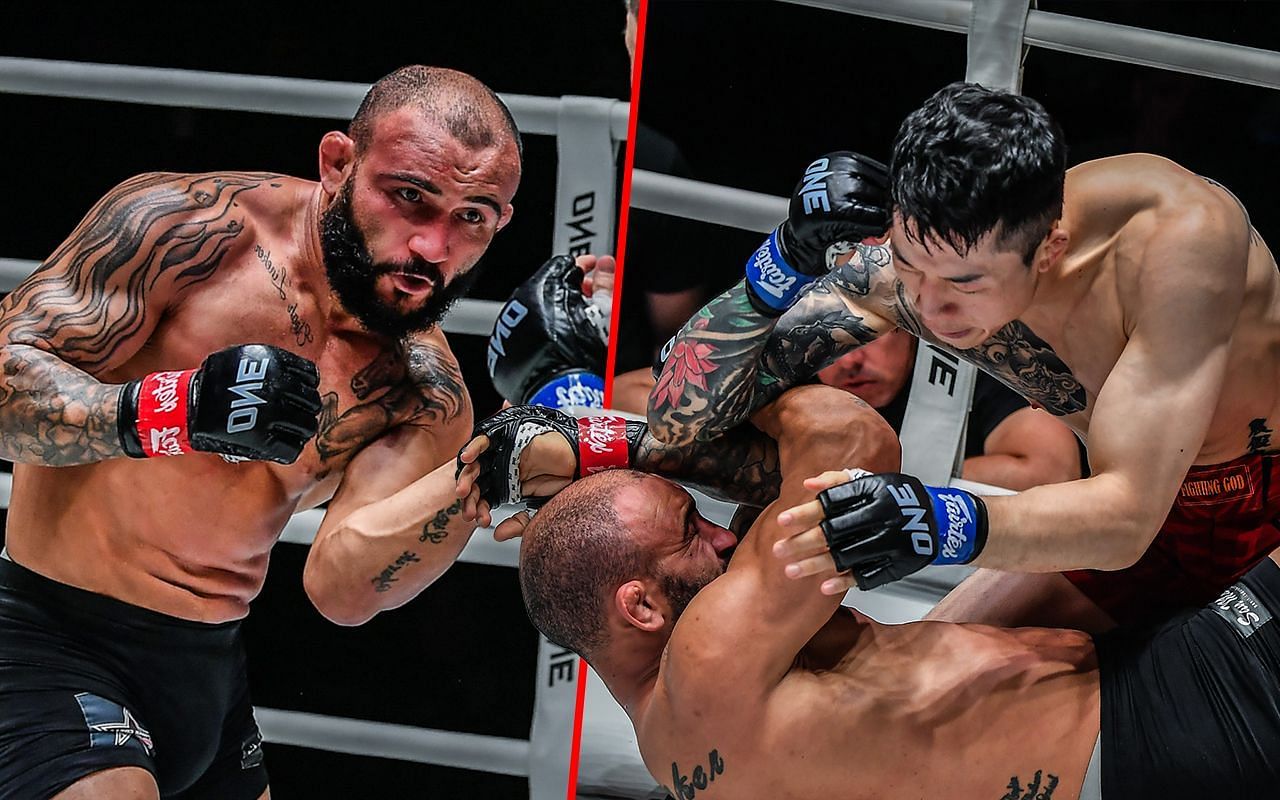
point(995, 48)
point(586, 174)
point(609, 762)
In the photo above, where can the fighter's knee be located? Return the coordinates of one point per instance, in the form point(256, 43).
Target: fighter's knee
point(844, 429)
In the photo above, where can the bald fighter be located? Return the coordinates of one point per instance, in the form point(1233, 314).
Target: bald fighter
point(202, 357)
point(1129, 296)
point(743, 683)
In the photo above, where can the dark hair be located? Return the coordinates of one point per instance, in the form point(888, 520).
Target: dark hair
point(467, 108)
point(971, 160)
point(574, 553)
point(633, 7)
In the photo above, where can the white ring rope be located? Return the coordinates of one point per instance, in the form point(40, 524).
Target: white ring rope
point(302, 97)
point(1087, 37)
point(494, 754)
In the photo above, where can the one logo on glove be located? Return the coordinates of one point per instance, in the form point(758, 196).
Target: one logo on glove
point(244, 409)
point(602, 444)
point(511, 315)
point(921, 539)
point(813, 190)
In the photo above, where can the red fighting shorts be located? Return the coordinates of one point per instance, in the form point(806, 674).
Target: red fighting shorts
point(1222, 523)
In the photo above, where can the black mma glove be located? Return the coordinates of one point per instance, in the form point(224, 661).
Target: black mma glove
point(843, 197)
point(547, 346)
point(598, 443)
point(884, 527)
point(250, 401)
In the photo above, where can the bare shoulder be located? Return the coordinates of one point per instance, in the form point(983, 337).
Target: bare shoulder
point(1180, 202)
point(708, 650)
point(1165, 219)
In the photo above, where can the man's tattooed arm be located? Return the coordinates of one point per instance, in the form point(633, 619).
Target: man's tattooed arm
point(740, 467)
point(96, 300)
point(730, 360)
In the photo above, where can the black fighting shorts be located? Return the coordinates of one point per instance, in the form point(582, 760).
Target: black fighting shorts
point(88, 683)
point(1191, 709)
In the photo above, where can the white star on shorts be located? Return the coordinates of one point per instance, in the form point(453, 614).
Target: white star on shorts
point(126, 729)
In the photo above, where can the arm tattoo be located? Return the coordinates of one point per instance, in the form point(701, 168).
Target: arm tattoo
point(418, 384)
point(740, 467)
point(383, 580)
point(729, 360)
point(1016, 357)
point(88, 303)
point(1024, 361)
point(437, 528)
point(52, 413)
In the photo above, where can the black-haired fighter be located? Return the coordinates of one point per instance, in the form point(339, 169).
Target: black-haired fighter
point(1129, 296)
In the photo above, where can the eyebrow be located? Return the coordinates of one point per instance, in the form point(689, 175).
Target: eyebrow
point(430, 188)
point(897, 256)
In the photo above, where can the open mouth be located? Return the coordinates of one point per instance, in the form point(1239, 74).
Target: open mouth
point(412, 284)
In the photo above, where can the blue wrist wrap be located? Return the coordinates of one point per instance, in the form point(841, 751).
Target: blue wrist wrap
point(775, 282)
point(572, 389)
point(956, 513)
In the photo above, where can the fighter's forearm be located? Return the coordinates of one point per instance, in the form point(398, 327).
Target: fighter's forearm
point(713, 377)
point(739, 467)
point(383, 555)
point(1095, 523)
point(52, 413)
point(730, 360)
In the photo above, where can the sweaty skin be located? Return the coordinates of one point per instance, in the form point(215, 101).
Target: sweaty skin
point(1147, 322)
point(824, 702)
point(169, 268)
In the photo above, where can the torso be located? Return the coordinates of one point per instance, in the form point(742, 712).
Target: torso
point(873, 711)
point(1063, 350)
point(190, 536)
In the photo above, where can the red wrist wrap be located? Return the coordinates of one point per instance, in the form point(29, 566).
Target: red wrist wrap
point(162, 413)
point(602, 444)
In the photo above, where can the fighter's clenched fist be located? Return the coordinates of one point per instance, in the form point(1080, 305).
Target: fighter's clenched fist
point(253, 401)
point(843, 197)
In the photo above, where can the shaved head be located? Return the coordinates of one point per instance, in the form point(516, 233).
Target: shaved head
point(464, 106)
point(575, 552)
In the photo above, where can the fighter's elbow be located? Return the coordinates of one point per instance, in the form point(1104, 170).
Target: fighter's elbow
point(335, 599)
point(1126, 544)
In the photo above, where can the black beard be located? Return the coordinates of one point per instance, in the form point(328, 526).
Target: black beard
point(353, 276)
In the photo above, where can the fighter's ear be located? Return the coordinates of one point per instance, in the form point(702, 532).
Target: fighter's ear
point(1052, 248)
point(637, 606)
point(505, 216)
point(337, 158)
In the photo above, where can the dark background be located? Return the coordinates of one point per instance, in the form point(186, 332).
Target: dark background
point(460, 657)
point(752, 92)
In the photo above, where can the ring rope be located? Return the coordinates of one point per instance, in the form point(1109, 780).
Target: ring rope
point(301, 97)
